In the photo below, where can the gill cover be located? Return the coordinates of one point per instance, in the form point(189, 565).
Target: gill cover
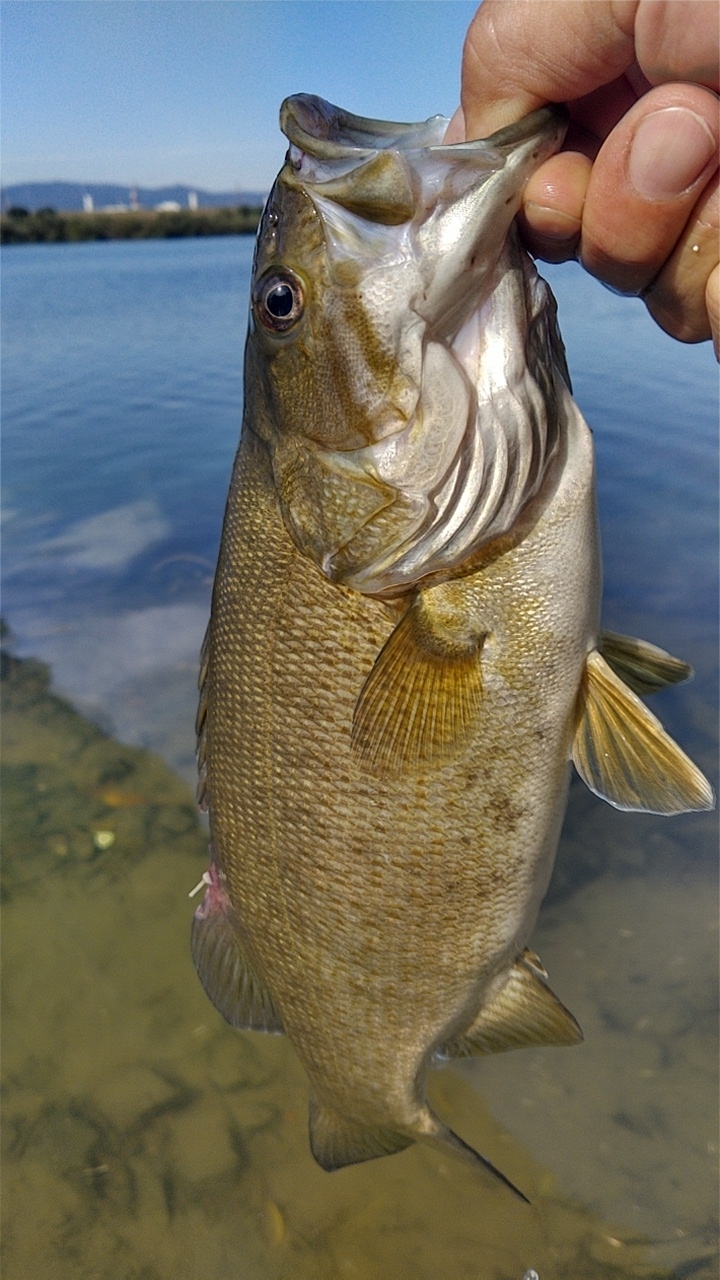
point(407, 383)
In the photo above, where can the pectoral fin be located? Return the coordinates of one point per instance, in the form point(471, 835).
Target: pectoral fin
point(625, 756)
point(422, 695)
point(524, 1012)
point(641, 665)
point(228, 976)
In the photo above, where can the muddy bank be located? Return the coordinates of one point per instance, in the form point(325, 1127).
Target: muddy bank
point(145, 1139)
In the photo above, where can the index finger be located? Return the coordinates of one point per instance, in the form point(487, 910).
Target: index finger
point(520, 55)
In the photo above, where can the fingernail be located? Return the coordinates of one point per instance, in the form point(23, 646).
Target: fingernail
point(670, 150)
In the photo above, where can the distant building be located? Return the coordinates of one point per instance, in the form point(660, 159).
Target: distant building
point(88, 203)
point(192, 200)
point(168, 206)
point(134, 204)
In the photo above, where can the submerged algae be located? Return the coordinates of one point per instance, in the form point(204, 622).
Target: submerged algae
point(72, 795)
point(142, 1137)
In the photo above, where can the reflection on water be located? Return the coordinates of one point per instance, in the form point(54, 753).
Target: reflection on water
point(142, 1137)
point(145, 1138)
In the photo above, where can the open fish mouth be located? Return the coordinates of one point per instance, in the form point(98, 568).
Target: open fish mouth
point(327, 132)
point(427, 230)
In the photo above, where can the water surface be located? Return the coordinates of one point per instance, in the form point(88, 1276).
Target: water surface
point(144, 1137)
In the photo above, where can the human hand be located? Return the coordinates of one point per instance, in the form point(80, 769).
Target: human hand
point(634, 194)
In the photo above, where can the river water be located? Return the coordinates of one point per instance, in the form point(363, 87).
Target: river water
point(143, 1137)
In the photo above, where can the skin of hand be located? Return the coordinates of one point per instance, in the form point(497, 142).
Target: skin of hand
point(634, 193)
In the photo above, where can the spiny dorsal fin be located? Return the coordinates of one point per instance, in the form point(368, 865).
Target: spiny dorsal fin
point(200, 723)
point(625, 756)
point(229, 978)
point(336, 1141)
point(641, 665)
point(524, 1012)
point(423, 693)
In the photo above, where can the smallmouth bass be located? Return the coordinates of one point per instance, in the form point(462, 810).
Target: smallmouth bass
point(404, 652)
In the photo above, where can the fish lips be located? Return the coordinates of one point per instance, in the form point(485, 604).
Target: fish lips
point(328, 144)
point(456, 203)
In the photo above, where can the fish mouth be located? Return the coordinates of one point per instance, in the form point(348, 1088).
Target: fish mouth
point(390, 172)
point(426, 228)
point(326, 132)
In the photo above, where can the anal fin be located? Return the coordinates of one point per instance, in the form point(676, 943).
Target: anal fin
point(228, 976)
point(625, 756)
point(424, 691)
point(641, 665)
point(336, 1140)
point(524, 1012)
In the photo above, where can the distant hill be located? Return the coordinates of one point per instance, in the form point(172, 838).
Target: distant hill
point(68, 196)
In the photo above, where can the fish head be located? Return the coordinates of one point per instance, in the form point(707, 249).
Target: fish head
point(378, 252)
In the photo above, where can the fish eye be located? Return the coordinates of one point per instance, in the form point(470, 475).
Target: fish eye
point(278, 300)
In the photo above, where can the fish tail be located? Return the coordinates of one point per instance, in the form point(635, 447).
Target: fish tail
point(337, 1140)
point(447, 1141)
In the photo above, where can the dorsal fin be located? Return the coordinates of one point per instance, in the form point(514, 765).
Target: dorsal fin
point(524, 1012)
point(642, 666)
point(228, 976)
point(201, 722)
point(423, 693)
point(625, 756)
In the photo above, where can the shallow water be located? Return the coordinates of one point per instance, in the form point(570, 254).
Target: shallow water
point(143, 1137)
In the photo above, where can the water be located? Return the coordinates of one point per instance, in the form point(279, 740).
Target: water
point(122, 392)
point(145, 1139)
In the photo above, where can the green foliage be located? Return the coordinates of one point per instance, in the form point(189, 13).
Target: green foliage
point(18, 226)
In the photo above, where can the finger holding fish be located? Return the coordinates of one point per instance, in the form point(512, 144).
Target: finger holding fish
point(640, 161)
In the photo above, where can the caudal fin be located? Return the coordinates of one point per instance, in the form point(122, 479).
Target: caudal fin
point(446, 1140)
point(337, 1140)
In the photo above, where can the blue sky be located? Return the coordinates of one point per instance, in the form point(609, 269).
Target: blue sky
point(155, 92)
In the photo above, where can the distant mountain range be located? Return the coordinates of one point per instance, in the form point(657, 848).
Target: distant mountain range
point(68, 196)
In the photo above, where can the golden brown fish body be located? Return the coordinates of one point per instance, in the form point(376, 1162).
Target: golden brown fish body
point(392, 691)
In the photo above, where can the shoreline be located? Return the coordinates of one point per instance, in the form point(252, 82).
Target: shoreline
point(49, 227)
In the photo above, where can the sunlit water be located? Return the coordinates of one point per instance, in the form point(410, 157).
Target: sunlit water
point(145, 1138)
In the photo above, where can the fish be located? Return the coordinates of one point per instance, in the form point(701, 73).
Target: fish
point(404, 653)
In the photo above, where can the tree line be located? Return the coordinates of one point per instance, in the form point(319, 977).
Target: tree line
point(19, 226)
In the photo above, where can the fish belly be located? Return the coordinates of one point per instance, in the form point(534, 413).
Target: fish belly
point(379, 909)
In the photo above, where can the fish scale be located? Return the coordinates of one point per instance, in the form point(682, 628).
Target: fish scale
point(386, 767)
